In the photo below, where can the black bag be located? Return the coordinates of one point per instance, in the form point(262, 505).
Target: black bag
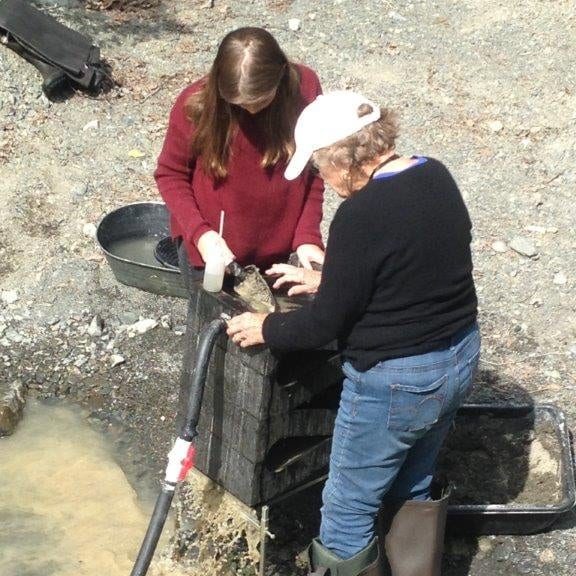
point(58, 52)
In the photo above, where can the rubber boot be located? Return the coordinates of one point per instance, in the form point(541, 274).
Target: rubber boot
point(412, 533)
point(322, 562)
point(54, 80)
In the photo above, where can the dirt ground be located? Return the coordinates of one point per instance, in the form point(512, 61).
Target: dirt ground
point(485, 86)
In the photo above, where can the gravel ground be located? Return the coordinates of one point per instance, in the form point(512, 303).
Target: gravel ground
point(487, 87)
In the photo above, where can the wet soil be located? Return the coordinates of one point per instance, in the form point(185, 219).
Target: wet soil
point(495, 460)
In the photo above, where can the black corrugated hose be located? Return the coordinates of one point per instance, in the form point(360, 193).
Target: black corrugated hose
point(181, 457)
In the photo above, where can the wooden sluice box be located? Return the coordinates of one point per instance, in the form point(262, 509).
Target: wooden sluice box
point(266, 420)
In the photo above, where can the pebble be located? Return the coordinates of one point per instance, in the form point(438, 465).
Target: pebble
point(92, 125)
point(560, 279)
point(396, 16)
point(13, 336)
point(142, 326)
point(524, 246)
point(96, 326)
point(485, 545)
point(504, 551)
point(116, 360)
point(500, 246)
point(547, 556)
point(80, 361)
point(536, 229)
point(89, 230)
point(9, 296)
point(495, 125)
point(79, 190)
point(294, 24)
point(12, 401)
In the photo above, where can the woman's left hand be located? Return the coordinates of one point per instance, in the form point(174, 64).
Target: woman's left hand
point(246, 329)
point(304, 281)
point(308, 253)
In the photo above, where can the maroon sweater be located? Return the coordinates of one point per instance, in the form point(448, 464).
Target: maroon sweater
point(266, 216)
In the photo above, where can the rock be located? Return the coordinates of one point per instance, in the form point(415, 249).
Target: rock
point(524, 246)
point(89, 230)
point(560, 279)
point(136, 153)
point(504, 551)
point(12, 401)
point(116, 360)
point(396, 16)
point(495, 125)
point(294, 24)
point(9, 296)
point(81, 360)
point(547, 556)
point(79, 191)
point(92, 125)
point(14, 336)
point(142, 326)
point(96, 326)
point(499, 246)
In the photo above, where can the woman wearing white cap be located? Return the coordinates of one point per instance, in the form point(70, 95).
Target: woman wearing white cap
point(398, 294)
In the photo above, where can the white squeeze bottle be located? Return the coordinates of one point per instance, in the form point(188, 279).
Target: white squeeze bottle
point(214, 274)
point(214, 270)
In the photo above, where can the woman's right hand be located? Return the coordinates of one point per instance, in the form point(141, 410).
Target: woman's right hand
point(211, 246)
point(304, 281)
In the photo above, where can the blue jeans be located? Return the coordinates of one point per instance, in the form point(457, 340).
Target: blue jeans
point(391, 423)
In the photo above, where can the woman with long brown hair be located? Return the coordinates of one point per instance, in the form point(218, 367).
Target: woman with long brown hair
point(229, 139)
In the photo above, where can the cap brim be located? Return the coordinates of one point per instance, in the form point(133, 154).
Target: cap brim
point(297, 164)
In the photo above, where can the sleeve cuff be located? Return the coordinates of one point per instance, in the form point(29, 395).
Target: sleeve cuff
point(307, 239)
point(194, 235)
point(269, 329)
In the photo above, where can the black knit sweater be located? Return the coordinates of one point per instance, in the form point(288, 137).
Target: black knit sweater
point(397, 279)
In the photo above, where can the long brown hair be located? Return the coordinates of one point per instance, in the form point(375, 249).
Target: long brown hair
point(249, 69)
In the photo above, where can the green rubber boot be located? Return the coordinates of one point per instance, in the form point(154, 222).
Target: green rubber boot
point(322, 562)
point(412, 536)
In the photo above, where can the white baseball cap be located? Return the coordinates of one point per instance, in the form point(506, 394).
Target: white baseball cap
point(328, 119)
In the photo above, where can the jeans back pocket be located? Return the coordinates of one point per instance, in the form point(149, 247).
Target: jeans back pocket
point(414, 407)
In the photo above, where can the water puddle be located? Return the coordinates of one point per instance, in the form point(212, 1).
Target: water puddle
point(66, 507)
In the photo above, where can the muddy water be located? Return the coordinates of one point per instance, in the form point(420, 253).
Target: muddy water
point(137, 249)
point(66, 508)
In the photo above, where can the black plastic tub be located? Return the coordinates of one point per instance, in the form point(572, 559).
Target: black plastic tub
point(513, 517)
point(129, 236)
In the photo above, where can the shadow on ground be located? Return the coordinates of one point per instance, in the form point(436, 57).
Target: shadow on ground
point(504, 472)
